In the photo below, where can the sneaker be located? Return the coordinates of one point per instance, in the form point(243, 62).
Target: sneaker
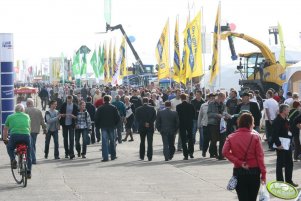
point(123, 140)
point(14, 164)
point(185, 158)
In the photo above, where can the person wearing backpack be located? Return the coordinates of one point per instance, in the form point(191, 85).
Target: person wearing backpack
point(52, 118)
point(82, 126)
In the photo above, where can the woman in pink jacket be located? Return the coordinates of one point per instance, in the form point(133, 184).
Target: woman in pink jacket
point(243, 148)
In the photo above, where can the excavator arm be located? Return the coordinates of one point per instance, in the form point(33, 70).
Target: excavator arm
point(119, 26)
point(266, 52)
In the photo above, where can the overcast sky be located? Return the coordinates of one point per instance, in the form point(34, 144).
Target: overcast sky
point(44, 28)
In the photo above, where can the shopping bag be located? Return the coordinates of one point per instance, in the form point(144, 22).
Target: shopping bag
point(223, 126)
point(264, 194)
point(232, 183)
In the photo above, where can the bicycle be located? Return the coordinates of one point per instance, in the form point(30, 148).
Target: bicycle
point(20, 173)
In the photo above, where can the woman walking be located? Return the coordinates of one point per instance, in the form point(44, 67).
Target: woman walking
point(243, 148)
point(82, 125)
point(129, 119)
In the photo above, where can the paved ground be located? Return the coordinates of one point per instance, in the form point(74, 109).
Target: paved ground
point(126, 178)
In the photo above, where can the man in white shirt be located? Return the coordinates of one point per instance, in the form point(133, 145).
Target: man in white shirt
point(271, 108)
point(289, 100)
point(174, 102)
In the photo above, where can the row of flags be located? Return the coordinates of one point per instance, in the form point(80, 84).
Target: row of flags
point(191, 64)
point(103, 62)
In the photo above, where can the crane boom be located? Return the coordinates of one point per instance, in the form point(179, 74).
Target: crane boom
point(266, 52)
point(119, 26)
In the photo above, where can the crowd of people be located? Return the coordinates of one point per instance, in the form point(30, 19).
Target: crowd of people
point(228, 123)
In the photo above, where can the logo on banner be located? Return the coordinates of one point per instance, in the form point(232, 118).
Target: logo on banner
point(7, 44)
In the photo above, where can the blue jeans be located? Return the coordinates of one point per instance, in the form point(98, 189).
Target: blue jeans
point(17, 139)
point(55, 136)
point(194, 130)
point(33, 146)
point(84, 133)
point(108, 142)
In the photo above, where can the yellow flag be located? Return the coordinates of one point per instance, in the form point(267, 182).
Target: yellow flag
point(184, 59)
point(110, 63)
point(194, 47)
point(106, 67)
point(282, 59)
point(176, 59)
point(162, 53)
point(214, 69)
point(123, 69)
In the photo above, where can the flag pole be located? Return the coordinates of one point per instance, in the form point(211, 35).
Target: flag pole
point(203, 52)
point(169, 54)
point(219, 46)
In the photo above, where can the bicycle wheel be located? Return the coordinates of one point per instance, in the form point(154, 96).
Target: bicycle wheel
point(24, 173)
point(17, 172)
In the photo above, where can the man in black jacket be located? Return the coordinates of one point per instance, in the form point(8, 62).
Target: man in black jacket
point(44, 97)
point(251, 107)
point(91, 110)
point(167, 124)
point(106, 119)
point(186, 114)
point(68, 113)
point(146, 116)
point(284, 157)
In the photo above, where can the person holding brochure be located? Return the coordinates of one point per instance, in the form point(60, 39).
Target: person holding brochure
point(284, 157)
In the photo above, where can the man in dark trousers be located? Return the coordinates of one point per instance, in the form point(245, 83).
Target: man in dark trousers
point(186, 114)
point(44, 97)
point(106, 119)
point(167, 124)
point(91, 110)
point(146, 115)
point(284, 157)
point(68, 112)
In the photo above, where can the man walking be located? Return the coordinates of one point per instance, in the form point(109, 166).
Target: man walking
point(271, 108)
point(186, 114)
point(106, 119)
point(68, 112)
point(215, 114)
point(167, 124)
point(36, 121)
point(146, 115)
point(121, 109)
point(197, 103)
point(284, 156)
point(44, 97)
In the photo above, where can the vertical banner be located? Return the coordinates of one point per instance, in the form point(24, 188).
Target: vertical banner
point(7, 76)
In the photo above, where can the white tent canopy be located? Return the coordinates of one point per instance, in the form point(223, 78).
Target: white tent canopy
point(292, 69)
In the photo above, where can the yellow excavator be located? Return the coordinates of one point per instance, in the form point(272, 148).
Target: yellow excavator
point(259, 70)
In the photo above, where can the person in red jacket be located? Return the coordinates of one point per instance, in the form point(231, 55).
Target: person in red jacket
point(243, 148)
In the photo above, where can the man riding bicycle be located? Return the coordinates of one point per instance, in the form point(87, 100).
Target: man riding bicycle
point(18, 125)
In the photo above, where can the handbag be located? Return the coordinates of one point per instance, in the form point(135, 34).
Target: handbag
point(233, 180)
point(264, 194)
